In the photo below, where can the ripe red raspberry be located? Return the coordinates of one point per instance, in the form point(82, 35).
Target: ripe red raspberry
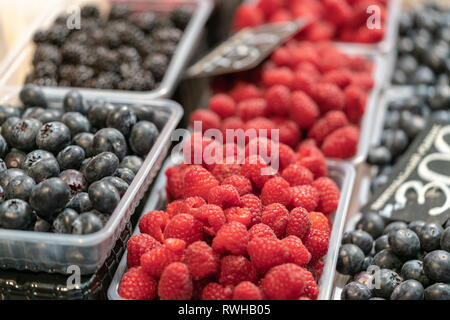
point(252, 108)
point(304, 52)
point(224, 170)
point(300, 255)
point(330, 122)
point(262, 125)
point(318, 266)
point(363, 80)
point(299, 223)
point(175, 245)
point(338, 12)
point(201, 260)
point(185, 227)
point(276, 190)
point(175, 283)
point(312, 158)
point(212, 218)
point(255, 169)
point(286, 156)
point(329, 195)
point(254, 205)
point(304, 82)
point(137, 285)
point(320, 31)
point(304, 110)
point(309, 69)
point(311, 290)
point(175, 181)
point(278, 100)
point(174, 208)
point(266, 253)
point(316, 242)
point(195, 147)
point(328, 97)
point(340, 77)
point(297, 175)
point(268, 7)
point(281, 57)
point(222, 105)
point(278, 76)
point(224, 196)
point(276, 216)
point(284, 282)
point(289, 133)
point(355, 103)
point(231, 123)
point(244, 91)
point(261, 230)
point(215, 291)
point(261, 146)
point(247, 291)
point(192, 204)
point(241, 183)
point(247, 15)
point(235, 269)
point(137, 246)
point(342, 143)
point(319, 221)
point(208, 119)
point(232, 237)
point(304, 196)
point(198, 181)
point(154, 261)
point(240, 215)
point(153, 223)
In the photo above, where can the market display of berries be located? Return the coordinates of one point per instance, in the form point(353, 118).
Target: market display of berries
point(64, 167)
point(127, 51)
point(423, 46)
point(396, 260)
point(341, 20)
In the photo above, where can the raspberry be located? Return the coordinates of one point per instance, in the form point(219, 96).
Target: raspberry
point(255, 169)
point(308, 68)
point(174, 208)
point(235, 269)
point(363, 80)
point(316, 242)
point(284, 282)
point(268, 7)
point(215, 291)
point(237, 214)
point(262, 125)
point(137, 285)
point(175, 245)
point(266, 253)
point(247, 16)
point(198, 182)
point(252, 108)
point(261, 230)
point(355, 103)
point(244, 91)
point(312, 158)
point(304, 82)
point(340, 77)
point(276, 190)
point(175, 283)
point(194, 149)
point(137, 246)
point(247, 291)
point(300, 255)
point(311, 290)
point(304, 196)
point(201, 260)
point(232, 237)
point(232, 152)
point(153, 223)
point(231, 123)
point(342, 143)
point(281, 56)
point(328, 97)
point(224, 196)
point(241, 183)
point(319, 221)
point(175, 181)
point(297, 175)
point(338, 12)
point(304, 110)
point(276, 216)
point(330, 122)
point(222, 105)
point(260, 146)
point(278, 76)
point(318, 265)
point(320, 31)
point(212, 218)
point(278, 100)
point(299, 223)
point(329, 195)
point(289, 133)
point(192, 204)
point(286, 156)
point(208, 119)
point(185, 227)
point(254, 205)
point(154, 261)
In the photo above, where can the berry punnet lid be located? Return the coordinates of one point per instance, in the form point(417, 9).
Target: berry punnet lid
point(245, 49)
point(419, 186)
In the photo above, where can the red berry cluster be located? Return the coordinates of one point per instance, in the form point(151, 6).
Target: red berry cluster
point(342, 20)
point(231, 232)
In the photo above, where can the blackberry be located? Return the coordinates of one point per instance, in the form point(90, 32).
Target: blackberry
point(90, 11)
point(58, 33)
point(40, 36)
point(82, 75)
point(141, 81)
point(168, 35)
point(119, 12)
point(157, 64)
point(107, 60)
point(129, 55)
point(181, 16)
point(106, 80)
point(45, 82)
point(73, 53)
point(45, 69)
point(145, 21)
point(167, 48)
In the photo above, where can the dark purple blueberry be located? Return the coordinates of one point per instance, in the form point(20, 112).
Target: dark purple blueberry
point(3, 147)
point(41, 225)
point(80, 202)
point(122, 119)
point(395, 140)
point(3, 166)
point(416, 225)
point(49, 115)
point(394, 226)
point(445, 240)
point(76, 122)
point(382, 243)
point(356, 291)
point(143, 112)
point(70, 157)
point(64, 220)
point(408, 290)
point(23, 134)
point(438, 291)
point(15, 159)
point(109, 140)
point(160, 119)
point(7, 111)
point(6, 176)
point(379, 156)
point(84, 140)
point(44, 169)
point(75, 180)
point(359, 238)
point(7, 128)
point(437, 266)
point(118, 183)
point(364, 277)
point(53, 136)
point(15, 214)
point(49, 197)
point(134, 163)
point(143, 136)
point(404, 243)
point(350, 259)
point(86, 223)
point(386, 259)
point(104, 196)
point(35, 156)
point(20, 187)
point(430, 236)
point(32, 96)
point(385, 282)
point(73, 102)
point(98, 113)
point(100, 166)
point(413, 269)
point(366, 263)
point(124, 174)
point(372, 223)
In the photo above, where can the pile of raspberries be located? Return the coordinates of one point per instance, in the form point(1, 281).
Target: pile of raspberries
point(231, 232)
point(341, 20)
point(305, 89)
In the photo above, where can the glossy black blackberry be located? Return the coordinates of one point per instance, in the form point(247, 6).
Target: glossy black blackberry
point(157, 64)
point(47, 52)
point(181, 16)
point(119, 12)
point(140, 81)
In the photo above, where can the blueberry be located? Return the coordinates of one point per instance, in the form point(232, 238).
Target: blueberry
point(447, 224)
point(7, 128)
point(6, 176)
point(15, 214)
point(23, 134)
point(34, 157)
point(32, 96)
point(424, 75)
point(379, 156)
point(49, 197)
point(386, 259)
point(49, 115)
point(122, 119)
point(355, 291)
point(109, 140)
point(408, 290)
point(440, 99)
point(437, 266)
point(385, 282)
point(360, 238)
point(80, 202)
point(84, 140)
point(134, 163)
point(3, 147)
point(86, 223)
point(118, 183)
point(100, 166)
point(438, 291)
point(143, 113)
point(372, 223)
point(143, 137)
point(430, 236)
point(53, 136)
point(41, 225)
point(445, 240)
point(64, 220)
point(368, 261)
point(20, 187)
point(73, 102)
point(160, 119)
point(15, 159)
point(76, 123)
point(382, 243)
point(44, 169)
point(75, 180)
point(413, 269)
point(394, 226)
point(350, 259)
point(416, 225)
point(70, 157)
point(364, 277)
point(395, 140)
point(104, 196)
point(98, 113)
point(7, 111)
point(404, 243)
point(414, 126)
point(379, 182)
point(124, 174)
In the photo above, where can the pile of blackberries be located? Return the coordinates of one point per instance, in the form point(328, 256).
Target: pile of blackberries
point(128, 51)
point(404, 262)
point(424, 46)
point(65, 168)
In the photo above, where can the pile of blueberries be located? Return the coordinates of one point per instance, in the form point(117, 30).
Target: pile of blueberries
point(404, 262)
point(424, 46)
point(64, 168)
point(128, 51)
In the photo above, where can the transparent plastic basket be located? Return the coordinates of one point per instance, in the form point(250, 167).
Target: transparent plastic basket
point(342, 173)
point(20, 61)
point(50, 252)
